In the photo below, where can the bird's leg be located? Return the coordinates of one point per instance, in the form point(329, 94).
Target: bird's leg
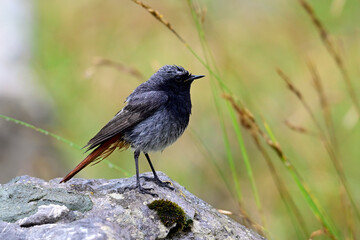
point(141, 189)
point(156, 179)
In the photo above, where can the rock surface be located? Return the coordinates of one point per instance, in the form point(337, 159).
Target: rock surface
point(31, 208)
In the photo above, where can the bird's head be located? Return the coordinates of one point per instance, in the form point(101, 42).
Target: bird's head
point(174, 77)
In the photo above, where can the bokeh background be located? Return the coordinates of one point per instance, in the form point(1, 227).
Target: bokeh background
point(249, 40)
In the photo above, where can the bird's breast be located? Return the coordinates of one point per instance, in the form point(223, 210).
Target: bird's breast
point(160, 130)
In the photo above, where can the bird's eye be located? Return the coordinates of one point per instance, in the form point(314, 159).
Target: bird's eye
point(178, 79)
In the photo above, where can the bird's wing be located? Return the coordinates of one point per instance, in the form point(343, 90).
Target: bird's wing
point(139, 107)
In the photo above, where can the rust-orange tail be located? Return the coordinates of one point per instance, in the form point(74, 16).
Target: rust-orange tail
point(104, 150)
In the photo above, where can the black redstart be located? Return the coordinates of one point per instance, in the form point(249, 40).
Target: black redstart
point(155, 116)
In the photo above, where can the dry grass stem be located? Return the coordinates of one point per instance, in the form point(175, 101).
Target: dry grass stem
point(104, 62)
point(323, 137)
point(327, 144)
point(244, 220)
point(302, 100)
point(318, 233)
point(332, 51)
point(318, 85)
point(159, 17)
point(346, 205)
point(247, 120)
point(226, 212)
point(288, 83)
point(323, 102)
point(300, 129)
point(201, 13)
point(284, 193)
point(247, 222)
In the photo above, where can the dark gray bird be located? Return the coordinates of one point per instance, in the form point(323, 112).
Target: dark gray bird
point(155, 116)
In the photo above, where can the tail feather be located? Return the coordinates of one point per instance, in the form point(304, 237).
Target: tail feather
point(104, 150)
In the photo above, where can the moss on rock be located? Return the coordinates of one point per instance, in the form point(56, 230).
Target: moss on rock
point(170, 213)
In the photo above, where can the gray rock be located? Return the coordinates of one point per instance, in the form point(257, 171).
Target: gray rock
point(45, 214)
point(31, 208)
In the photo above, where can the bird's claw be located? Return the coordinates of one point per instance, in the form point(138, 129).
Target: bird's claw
point(143, 190)
point(147, 191)
point(158, 182)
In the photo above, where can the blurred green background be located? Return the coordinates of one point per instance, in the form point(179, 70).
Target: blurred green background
point(249, 40)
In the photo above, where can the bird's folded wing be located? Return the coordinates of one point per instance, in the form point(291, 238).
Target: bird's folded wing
point(138, 108)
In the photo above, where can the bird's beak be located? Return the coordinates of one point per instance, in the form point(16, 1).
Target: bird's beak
point(193, 77)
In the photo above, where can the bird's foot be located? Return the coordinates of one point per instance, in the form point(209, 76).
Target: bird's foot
point(147, 191)
point(143, 190)
point(158, 182)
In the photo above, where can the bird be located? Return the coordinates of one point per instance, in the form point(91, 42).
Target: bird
point(156, 114)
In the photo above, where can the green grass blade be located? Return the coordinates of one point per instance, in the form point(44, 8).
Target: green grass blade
point(305, 190)
point(211, 156)
point(249, 171)
point(235, 123)
point(229, 155)
point(61, 139)
point(57, 137)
